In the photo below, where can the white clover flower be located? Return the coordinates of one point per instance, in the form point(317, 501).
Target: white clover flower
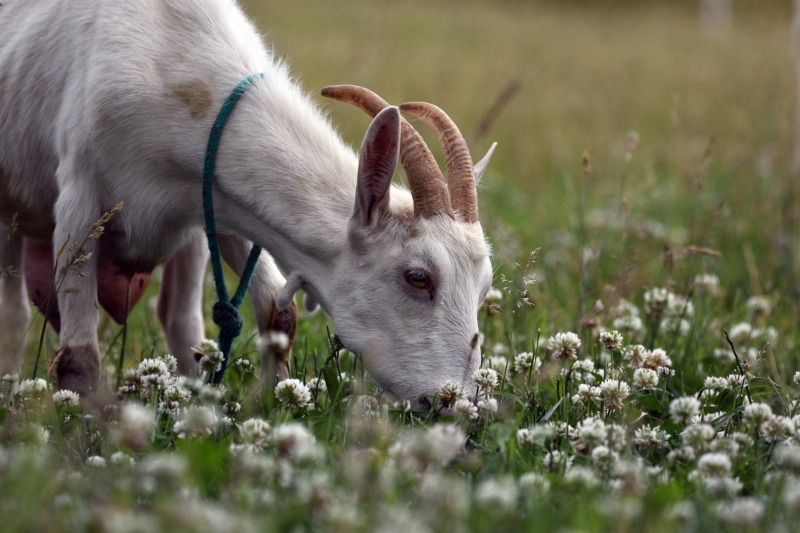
point(526, 361)
point(656, 300)
point(743, 513)
point(586, 394)
point(205, 347)
point(95, 461)
point(486, 379)
point(33, 389)
point(535, 435)
point(493, 296)
point(174, 396)
point(716, 383)
point(170, 361)
point(645, 378)
point(777, 429)
point(437, 444)
point(231, 408)
point(788, 458)
point(10, 378)
point(121, 458)
point(582, 477)
point(212, 361)
point(760, 306)
point(133, 382)
point(211, 393)
point(724, 445)
point(722, 487)
point(449, 393)
point(497, 493)
point(714, 464)
point(656, 359)
point(317, 385)
point(611, 340)
point(292, 393)
point(635, 355)
point(614, 393)
point(274, 340)
point(555, 460)
point(254, 434)
point(724, 355)
point(488, 406)
point(630, 324)
point(366, 407)
point(153, 373)
point(590, 433)
point(66, 398)
point(564, 345)
point(245, 364)
point(741, 333)
point(708, 283)
point(796, 378)
point(196, 421)
point(604, 459)
point(698, 436)
point(295, 442)
point(756, 414)
point(466, 409)
point(649, 436)
point(684, 408)
point(666, 371)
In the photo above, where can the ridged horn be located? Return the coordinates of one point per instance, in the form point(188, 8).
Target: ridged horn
point(427, 184)
point(460, 173)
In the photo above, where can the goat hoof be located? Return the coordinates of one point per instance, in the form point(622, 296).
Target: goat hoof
point(76, 369)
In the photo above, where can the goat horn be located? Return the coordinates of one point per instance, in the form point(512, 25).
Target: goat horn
point(460, 173)
point(427, 184)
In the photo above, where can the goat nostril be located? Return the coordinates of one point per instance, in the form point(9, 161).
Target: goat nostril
point(474, 342)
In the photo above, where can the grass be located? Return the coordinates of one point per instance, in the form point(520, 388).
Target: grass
point(708, 189)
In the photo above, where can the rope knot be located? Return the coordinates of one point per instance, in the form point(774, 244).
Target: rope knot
point(228, 319)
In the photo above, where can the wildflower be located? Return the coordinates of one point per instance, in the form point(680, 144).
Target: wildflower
point(274, 340)
point(760, 306)
point(666, 371)
point(366, 407)
point(212, 361)
point(254, 434)
point(211, 393)
point(121, 458)
point(402, 405)
point(449, 393)
point(777, 429)
point(708, 283)
point(153, 373)
point(683, 454)
point(231, 408)
point(292, 393)
point(656, 359)
point(724, 355)
point(435, 445)
point(788, 458)
point(635, 355)
point(174, 396)
point(534, 436)
point(135, 423)
point(614, 393)
point(725, 486)
point(630, 324)
point(745, 513)
point(245, 364)
point(493, 296)
point(616, 437)
point(586, 393)
point(796, 377)
point(741, 333)
point(497, 493)
point(488, 406)
point(95, 461)
point(10, 378)
point(196, 421)
point(205, 347)
point(295, 442)
point(133, 382)
point(611, 340)
point(756, 415)
point(655, 300)
point(698, 435)
point(556, 459)
point(33, 389)
point(498, 362)
point(317, 385)
point(485, 379)
point(526, 361)
point(564, 345)
point(649, 436)
point(716, 383)
point(604, 459)
point(534, 483)
point(581, 477)
point(724, 445)
point(684, 408)
point(590, 433)
point(66, 398)
point(645, 378)
point(466, 409)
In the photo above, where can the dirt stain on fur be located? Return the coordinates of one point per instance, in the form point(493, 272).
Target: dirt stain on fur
point(196, 95)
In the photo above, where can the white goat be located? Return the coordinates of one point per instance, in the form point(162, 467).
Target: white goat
point(113, 100)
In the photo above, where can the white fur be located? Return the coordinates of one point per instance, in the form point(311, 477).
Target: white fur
point(102, 101)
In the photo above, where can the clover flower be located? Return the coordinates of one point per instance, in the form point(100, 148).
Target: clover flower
point(33, 389)
point(205, 347)
point(196, 421)
point(212, 361)
point(589, 433)
point(497, 493)
point(698, 436)
point(293, 441)
point(796, 378)
point(714, 464)
point(759, 306)
point(649, 436)
point(254, 434)
point(317, 385)
point(656, 359)
point(745, 513)
point(488, 406)
point(556, 459)
point(535, 435)
point(645, 378)
point(656, 300)
point(366, 407)
point(604, 459)
point(534, 482)
point(526, 361)
point(66, 398)
point(611, 340)
point(153, 373)
point(635, 355)
point(564, 345)
point(777, 429)
point(716, 383)
point(684, 408)
point(756, 415)
point(708, 283)
point(292, 393)
point(486, 379)
point(586, 394)
point(466, 409)
point(614, 393)
point(449, 393)
point(95, 461)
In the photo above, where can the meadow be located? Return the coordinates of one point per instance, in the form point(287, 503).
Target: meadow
point(640, 349)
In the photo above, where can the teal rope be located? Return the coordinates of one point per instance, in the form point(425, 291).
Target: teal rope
point(226, 314)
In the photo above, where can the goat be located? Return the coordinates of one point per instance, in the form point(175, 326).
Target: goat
point(109, 101)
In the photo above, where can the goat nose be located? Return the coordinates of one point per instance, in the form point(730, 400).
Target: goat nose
point(475, 339)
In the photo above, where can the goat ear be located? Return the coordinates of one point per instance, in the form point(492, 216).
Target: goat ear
point(481, 165)
point(376, 164)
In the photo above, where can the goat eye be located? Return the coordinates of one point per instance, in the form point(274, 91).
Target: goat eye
point(418, 279)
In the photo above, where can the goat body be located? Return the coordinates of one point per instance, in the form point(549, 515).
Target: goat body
point(110, 101)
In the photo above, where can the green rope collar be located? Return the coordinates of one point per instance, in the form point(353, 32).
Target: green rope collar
point(226, 314)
